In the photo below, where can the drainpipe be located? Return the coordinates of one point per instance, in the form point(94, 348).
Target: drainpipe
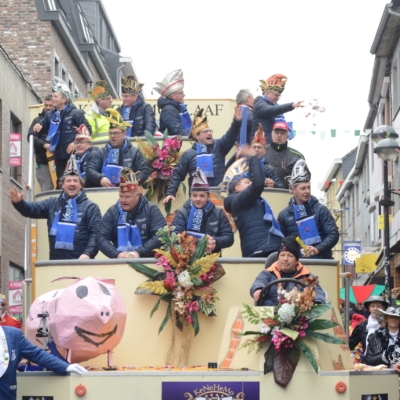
point(390, 11)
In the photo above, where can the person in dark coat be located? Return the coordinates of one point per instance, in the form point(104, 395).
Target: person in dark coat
point(245, 99)
point(259, 232)
point(207, 153)
point(40, 146)
point(128, 228)
point(15, 347)
point(60, 124)
point(266, 109)
point(104, 166)
point(287, 266)
point(72, 219)
point(384, 344)
point(199, 216)
point(279, 155)
point(365, 328)
point(306, 217)
point(134, 110)
point(173, 112)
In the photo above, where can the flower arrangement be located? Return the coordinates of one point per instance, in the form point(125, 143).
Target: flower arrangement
point(288, 326)
point(161, 161)
point(188, 271)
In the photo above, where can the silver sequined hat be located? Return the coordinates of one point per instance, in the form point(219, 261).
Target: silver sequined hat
point(172, 83)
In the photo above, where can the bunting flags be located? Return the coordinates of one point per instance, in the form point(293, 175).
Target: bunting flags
point(333, 133)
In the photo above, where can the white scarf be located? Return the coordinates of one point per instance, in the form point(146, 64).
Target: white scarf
point(4, 354)
point(372, 326)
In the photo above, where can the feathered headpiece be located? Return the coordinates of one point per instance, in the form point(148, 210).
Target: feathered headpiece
point(259, 136)
point(237, 171)
point(116, 121)
point(128, 181)
point(172, 83)
point(199, 183)
point(275, 82)
point(82, 134)
point(300, 174)
point(58, 85)
point(99, 91)
point(199, 123)
point(129, 84)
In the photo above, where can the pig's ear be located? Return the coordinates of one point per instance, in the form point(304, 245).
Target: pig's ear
point(104, 289)
point(82, 291)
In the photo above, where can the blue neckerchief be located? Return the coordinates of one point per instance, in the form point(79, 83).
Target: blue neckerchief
point(243, 127)
point(64, 224)
point(53, 136)
point(126, 111)
point(80, 163)
point(196, 225)
point(306, 225)
point(262, 163)
point(114, 163)
point(269, 216)
point(186, 121)
point(129, 238)
point(204, 161)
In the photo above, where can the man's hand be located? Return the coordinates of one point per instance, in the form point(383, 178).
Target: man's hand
point(168, 198)
point(312, 250)
point(37, 128)
point(15, 196)
point(76, 368)
point(297, 104)
point(128, 254)
point(269, 183)
point(245, 151)
point(46, 146)
point(84, 257)
point(70, 148)
point(105, 182)
point(396, 367)
point(238, 113)
point(256, 294)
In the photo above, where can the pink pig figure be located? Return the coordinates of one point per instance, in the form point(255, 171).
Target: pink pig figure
point(85, 320)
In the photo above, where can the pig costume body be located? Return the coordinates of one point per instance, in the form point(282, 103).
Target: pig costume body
point(86, 319)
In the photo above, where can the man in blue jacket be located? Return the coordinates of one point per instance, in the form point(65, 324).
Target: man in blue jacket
point(287, 266)
point(266, 109)
point(72, 219)
point(174, 115)
point(128, 228)
point(306, 217)
point(13, 347)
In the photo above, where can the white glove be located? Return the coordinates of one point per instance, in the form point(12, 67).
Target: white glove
point(76, 368)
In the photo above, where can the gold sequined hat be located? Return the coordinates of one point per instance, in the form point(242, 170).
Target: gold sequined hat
point(275, 82)
point(116, 121)
point(128, 181)
point(172, 83)
point(129, 84)
point(199, 123)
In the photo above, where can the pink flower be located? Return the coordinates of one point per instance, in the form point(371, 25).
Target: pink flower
point(166, 171)
point(163, 154)
point(302, 333)
point(157, 164)
point(164, 262)
point(176, 144)
point(169, 281)
point(189, 319)
point(304, 325)
point(191, 306)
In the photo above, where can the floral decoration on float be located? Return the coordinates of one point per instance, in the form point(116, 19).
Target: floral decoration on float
point(286, 328)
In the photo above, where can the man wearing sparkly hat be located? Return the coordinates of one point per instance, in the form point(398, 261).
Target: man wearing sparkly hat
point(259, 232)
point(287, 266)
point(61, 123)
point(5, 319)
point(134, 110)
point(266, 108)
point(199, 216)
point(72, 219)
point(105, 165)
point(279, 154)
point(259, 143)
point(97, 116)
point(173, 112)
point(207, 153)
point(306, 217)
point(128, 228)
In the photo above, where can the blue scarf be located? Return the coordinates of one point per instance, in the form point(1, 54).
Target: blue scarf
point(114, 163)
point(186, 121)
point(269, 216)
point(243, 127)
point(196, 225)
point(126, 111)
point(306, 225)
point(204, 161)
point(129, 238)
point(64, 224)
point(53, 136)
point(80, 163)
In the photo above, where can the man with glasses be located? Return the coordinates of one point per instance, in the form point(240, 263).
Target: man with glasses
point(280, 155)
point(134, 110)
point(174, 115)
point(266, 108)
point(105, 165)
point(207, 153)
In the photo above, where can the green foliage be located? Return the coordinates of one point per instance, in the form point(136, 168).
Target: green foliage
point(166, 318)
point(307, 352)
point(155, 308)
point(200, 249)
point(196, 325)
point(326, 337)
point(316, 311)
point(150, 138)
point(144, 269)
point(321, 324)
point(255, 317)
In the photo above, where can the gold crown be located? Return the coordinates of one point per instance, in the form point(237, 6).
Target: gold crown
point(129, 84)
point(275, 82)
point(199, 123)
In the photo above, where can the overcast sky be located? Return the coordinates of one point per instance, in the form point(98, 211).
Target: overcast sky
point(322, 47)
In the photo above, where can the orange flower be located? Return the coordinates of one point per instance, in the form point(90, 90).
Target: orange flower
point(98, 90)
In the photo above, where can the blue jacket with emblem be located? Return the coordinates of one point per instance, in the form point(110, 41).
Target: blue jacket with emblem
point(89, 217)
point(326, 225)
point(148, 218)
point(170, 117)
point(217, 225)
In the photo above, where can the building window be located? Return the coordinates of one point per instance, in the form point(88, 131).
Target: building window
point(15, 127)
point(64, 75)
point(15, 273)
point(56, 67)
point(70, 85)
point(395, 87)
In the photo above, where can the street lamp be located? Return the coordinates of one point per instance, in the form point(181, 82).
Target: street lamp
point(387, 149)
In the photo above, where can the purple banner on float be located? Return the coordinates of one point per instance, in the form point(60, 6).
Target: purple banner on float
point(210, 390)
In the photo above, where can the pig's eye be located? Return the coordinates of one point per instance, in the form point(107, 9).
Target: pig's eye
point(104, 289)
point(82, 291)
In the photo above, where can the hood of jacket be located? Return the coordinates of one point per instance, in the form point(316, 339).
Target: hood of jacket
point(164, 101)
